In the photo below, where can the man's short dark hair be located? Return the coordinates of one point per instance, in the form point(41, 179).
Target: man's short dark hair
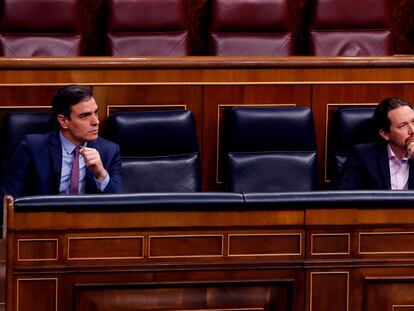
point(381, 120)
point(68, 96)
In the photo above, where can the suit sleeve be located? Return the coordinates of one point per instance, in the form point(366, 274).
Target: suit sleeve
point(17, 171)
point(350, 178)
point(114, 170)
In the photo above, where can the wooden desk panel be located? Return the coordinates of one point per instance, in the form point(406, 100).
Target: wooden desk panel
point(196, 258)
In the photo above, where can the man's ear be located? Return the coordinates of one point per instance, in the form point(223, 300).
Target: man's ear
point(63, 121)
point(384, 134)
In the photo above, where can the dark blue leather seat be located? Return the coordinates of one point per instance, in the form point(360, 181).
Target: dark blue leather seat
point(18, 124)
point(270, 150)
point(351, 126)
point(159, 150)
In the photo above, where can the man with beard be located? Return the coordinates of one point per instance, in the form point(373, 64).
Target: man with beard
point(385, 164)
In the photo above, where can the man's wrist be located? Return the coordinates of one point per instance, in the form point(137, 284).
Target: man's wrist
point(101, 184)
point(101, 175)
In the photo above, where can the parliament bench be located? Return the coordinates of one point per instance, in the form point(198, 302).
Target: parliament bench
point(321, 250)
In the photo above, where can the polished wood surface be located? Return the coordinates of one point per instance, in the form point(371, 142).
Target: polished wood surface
point(200, 62)
point(198, 257)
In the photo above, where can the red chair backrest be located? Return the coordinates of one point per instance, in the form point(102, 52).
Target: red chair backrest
point(250, 28)
point(147, 28)
point(40, 28)
point(350, 28)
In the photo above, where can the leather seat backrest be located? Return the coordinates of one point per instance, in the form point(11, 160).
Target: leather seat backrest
point(250, 28)
point(147, 28)
point(351, 126)
point(159, 150)
point(16, 125)
point(350, 28)
point(271, 150)
point(40, 28)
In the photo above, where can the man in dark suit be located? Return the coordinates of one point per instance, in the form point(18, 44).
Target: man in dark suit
point(385, 164)
point(71, 160)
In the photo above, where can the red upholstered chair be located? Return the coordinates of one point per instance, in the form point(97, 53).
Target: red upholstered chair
point(350, 28)
point(147, 28)
point(250, 28)
point(40, 28)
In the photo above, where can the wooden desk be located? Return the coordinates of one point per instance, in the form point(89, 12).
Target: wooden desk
point(306, 251)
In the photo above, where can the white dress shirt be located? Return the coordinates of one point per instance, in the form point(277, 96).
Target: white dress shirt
point(399, 171)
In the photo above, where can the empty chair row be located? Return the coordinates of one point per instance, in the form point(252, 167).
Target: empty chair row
point(160, 28)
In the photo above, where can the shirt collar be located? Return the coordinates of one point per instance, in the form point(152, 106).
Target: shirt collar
point(392, 156)
point(67, 145)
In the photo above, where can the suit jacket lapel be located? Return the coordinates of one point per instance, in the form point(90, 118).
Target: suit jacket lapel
point(55, 148)
point(90, 186)
point(384, 166)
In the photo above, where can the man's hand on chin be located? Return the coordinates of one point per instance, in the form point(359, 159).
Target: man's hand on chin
point(410, 150)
